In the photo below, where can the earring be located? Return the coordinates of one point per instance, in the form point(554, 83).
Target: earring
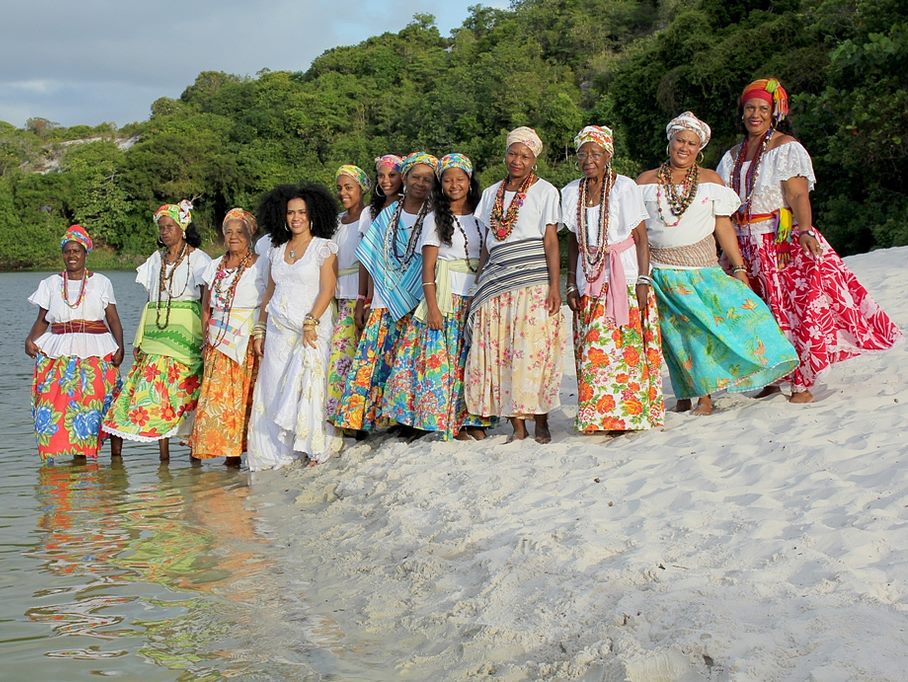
point(700, 158)
point(535, 167)
point(668, 150)
point(379, 191)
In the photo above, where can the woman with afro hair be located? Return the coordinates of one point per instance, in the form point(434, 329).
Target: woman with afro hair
point(293, 334)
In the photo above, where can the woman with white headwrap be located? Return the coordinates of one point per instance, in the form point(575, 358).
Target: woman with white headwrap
point(514, 366)
point(616, 327)
point(717, 334)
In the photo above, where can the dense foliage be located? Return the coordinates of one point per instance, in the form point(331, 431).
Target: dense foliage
point(552, 64)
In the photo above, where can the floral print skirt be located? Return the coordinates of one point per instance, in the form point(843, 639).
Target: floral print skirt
point(425, 388)
point(70, 397)
point(158, 400)
point(343, 348)
point(820, 305)
point(225, 403)
point(359, 407)
point(619, 382)
point(514, 366)
point(717, 334)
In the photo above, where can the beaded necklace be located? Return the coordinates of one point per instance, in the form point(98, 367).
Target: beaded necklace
point(390, 247)
point(466, 243)
point(225, 299)
point(82, 289)
point(165, 283)
point(503, 222)
point(678, 202)
point(750, 180)
point(592, 256)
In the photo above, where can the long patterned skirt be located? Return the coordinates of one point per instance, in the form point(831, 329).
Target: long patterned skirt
point(717, 334)
point(820, 305)
point(425, 388)
point(619, 383)
point(157, 401)
point(343, 349)
point(514, 366)
point(359, 407)
point(225, 403)
point(70, 397)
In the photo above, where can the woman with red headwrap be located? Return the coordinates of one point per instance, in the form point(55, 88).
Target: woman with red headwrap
point(818, 302)
point(77, 344)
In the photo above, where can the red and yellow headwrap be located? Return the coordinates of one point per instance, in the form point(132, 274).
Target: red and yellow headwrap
point(180, 213)
point(77, 233)
point(243, 216)
point(770, 91)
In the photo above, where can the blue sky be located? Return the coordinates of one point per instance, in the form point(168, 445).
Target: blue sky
point(100, 60)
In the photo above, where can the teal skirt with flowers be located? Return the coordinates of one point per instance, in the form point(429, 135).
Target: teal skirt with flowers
point(717, 334)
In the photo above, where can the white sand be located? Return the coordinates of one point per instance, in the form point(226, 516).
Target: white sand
point(766, 542)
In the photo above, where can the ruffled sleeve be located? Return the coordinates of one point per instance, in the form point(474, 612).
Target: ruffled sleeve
point(725, 166)
point(325, 249)
point(41, 297)
point(551, 204)
point(429, 232)
point(484, 210)
point(792, 160)
point(147, 272)
point(210, 271)
point(263, 245)
point(725, 201)
point(365, 221)
point(631, 207)
point(198, 264)
point(105, 290)
point(569, 206)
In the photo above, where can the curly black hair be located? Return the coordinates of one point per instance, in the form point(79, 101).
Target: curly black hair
point(444, 219)
point(320, 203)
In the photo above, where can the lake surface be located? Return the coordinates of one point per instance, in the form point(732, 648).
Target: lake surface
point(137, 570)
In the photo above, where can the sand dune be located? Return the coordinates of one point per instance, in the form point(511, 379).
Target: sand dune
point(766, 542)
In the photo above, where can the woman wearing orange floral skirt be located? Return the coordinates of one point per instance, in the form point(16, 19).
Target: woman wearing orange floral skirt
point(234, 284)
point(616, 324)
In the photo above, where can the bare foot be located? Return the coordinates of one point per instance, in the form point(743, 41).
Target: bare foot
point(704, 406)
point(477, 432)
point(520, 429)
point(194, 461)
point(463, 435)
point(312, 463)
point(233, 462)
point(801, 397)
point(542, 433)
point(767, 391)
point(682, 405)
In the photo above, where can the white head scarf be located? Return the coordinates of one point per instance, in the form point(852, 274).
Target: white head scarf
point(687, 121)
point(526, 136)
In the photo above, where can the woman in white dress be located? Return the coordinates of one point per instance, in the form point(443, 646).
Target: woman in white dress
point(293, 335)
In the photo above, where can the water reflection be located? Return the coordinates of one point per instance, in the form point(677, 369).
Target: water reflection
point(165, 569)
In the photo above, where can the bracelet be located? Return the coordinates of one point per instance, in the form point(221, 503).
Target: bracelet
point(643, 279)
point(310, 319)
point(738, 268)
point(571, 289)
point(360, 297)
point(428, 284)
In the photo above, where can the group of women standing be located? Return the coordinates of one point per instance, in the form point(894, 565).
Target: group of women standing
point(438, 309)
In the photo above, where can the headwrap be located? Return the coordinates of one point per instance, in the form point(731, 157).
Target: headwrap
point(600, 135)
point(527, 136)
point(356, 173)
point(454, 160)
point(77, 233)
point(416, 158)
point(180, 213)
point(770, 91)
point(244, 217)
point(388, 161)
point(687, 121)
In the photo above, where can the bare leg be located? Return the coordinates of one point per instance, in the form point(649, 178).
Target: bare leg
point(767, 391)
point(801, 397)
point(520, 429)
point(164, 449)
point(477, 432)
point(233, 462)
point(542, 433)
point(704, 406)
point(682, 405)
point(116, 446)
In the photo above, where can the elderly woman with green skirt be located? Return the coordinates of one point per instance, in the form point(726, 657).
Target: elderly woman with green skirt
point(159, 397)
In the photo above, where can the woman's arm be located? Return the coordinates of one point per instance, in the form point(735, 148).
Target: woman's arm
point(728, 242)
point(641, 241)
point(116, 330)
point(797, 196)
point(327, 284)
point(363, 300)
point(573, 297)
point(259, 340)
point(429, 286)
point(39, 327)
point(553, 263)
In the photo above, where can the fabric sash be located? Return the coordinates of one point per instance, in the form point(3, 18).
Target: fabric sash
point(231, 331)
point(443, 294)
point(181, 339)
point(511, 266)
point(616, 306)
point(79, 327)
point(701, 254)
point(400, 289)
point(344, 272)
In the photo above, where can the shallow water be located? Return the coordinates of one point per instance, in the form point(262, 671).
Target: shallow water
point(138, 569)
